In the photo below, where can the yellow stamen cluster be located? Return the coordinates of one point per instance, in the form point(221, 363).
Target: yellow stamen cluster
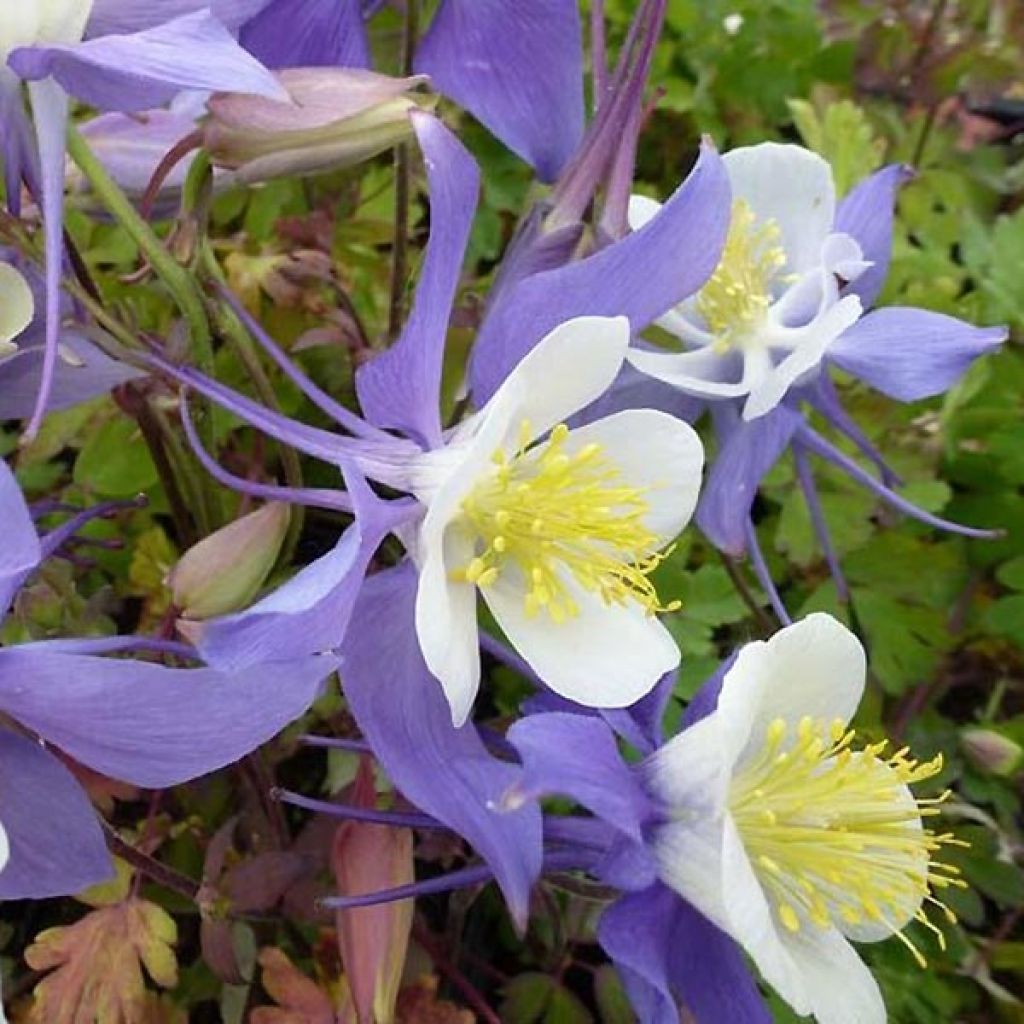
point(737, 295)
point(832, 835)
point(547, 511)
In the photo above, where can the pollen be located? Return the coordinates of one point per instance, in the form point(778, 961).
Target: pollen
point(552, 513)
point(835, 836)
point(736, 297)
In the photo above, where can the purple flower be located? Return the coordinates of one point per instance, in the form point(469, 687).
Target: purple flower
point(784, 304)
point(43, 46)
point(132, 720)
point(760, 825)
point(789, 292)
point(570, 590)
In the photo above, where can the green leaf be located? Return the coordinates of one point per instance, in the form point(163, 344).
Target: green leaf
point(115, 461)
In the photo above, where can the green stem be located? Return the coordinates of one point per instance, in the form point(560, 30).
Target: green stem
point(175, 277)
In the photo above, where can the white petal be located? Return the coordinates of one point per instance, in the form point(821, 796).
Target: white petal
point(652, 450)
point(16, 304)
point(703, 372)
point(839, 987)
point(685, 323)
point(813, 342)
point(5, 848)
point(689, 855)
point(607, 656)
point(19, 26)
point(792, 186)
point(567, 370)
point(815, 667)
point(641, 211)
point(63, 21)
point(842, 255)
point(688, 773)
point(752, 924)
point(446, 622)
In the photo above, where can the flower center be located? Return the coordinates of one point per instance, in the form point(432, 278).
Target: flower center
point(552, 510)
point(833, 834)
point(736, 297)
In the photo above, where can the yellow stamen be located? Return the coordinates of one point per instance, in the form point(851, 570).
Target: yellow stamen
point(736, 297)
point(832, 835)
point(553, 514)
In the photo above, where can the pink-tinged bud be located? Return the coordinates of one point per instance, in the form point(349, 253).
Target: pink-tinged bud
point(373, 940)
point(337, 117)
point(991, 751)
point(223, 572)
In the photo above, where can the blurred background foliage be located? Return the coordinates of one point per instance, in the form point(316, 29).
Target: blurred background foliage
point(936, 84)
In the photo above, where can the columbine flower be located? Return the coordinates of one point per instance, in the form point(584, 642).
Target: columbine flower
point(401, 441)
point(774, 305)
point(769, 817)
point(132, 720)
point(759, 340)
point(574, 597)
point(559, 529)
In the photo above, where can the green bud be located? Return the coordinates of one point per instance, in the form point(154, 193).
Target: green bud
point(223, 572)
point(991, 751)
point(337, 117)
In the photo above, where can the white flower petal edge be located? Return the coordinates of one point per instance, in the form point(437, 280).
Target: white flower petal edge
point(16, 307)
point(816, 667)
point(606, 656)
point(792, 186)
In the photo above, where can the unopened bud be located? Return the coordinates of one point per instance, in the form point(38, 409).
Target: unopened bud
point(991, 751)
point(373, 941)
point(223, 572)
point(337, 117)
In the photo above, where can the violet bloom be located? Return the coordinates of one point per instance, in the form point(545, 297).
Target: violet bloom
point(781, 308)
point(762, 825)
point(42, 44)
point(132, 720)
point(400, 707)
point(454, 529)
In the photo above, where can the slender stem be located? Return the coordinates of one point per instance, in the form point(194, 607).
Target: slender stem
point(156, 872)
point(746, 594)
point(149, 426)
point(206, 510)
point(432, 947)
point(403, 187)
point(175, 277)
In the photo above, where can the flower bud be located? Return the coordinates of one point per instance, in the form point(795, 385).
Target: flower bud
point(373, 940)
point(223, 572)
point(337, 117)
point(991, 751)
